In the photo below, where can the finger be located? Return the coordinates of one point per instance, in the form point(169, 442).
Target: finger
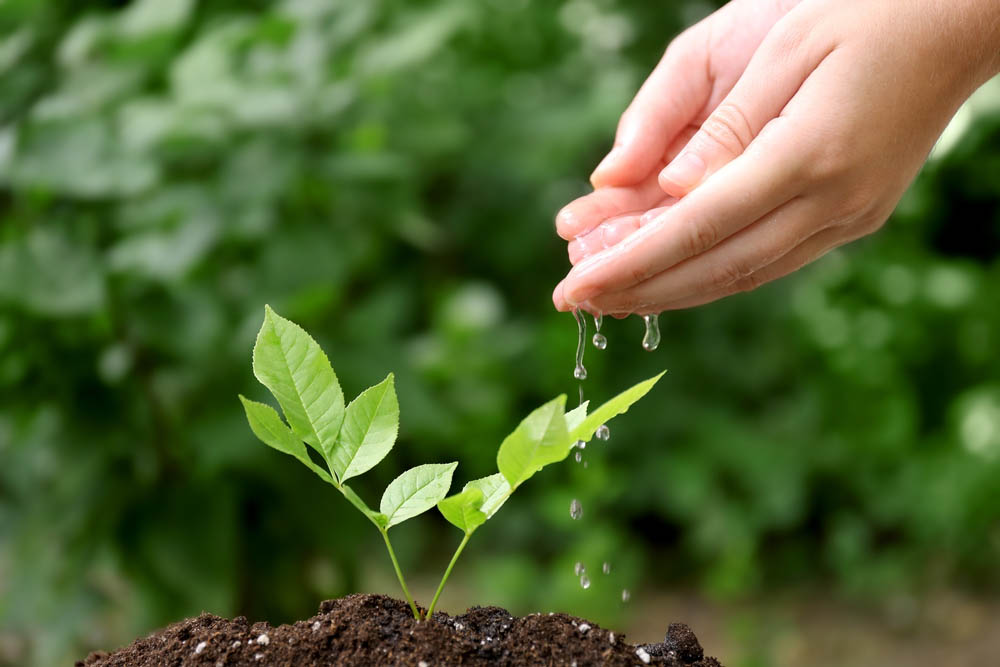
point(808, 251)
point(585, 213)
point(729, 262)
point(772, 77)
point(676, 90)
point(766, 176)
point(612, 232)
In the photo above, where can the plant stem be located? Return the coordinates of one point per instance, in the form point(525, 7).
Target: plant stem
point(447, 572)
point(399, 574)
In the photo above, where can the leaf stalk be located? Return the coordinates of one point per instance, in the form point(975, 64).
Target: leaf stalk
point(447, 573)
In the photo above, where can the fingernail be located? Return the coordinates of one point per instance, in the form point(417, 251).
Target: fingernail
point(567, 224)
point(605, 164)
point(685, 171)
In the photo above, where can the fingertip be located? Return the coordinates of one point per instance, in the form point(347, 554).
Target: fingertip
point(558, 300)
point(606, 171)
point(681, 176)
point(567, 224)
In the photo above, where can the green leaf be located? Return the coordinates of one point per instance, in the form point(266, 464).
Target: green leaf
point(495, 488)
point(368, 432)
point(291, 364)
point(356, 500)
point(576, 416)
point(538, 440)
point(616, 406)
point(267, 425)
point(416, 491)
point(463, 510)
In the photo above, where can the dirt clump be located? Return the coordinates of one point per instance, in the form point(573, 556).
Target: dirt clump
point(376, 629)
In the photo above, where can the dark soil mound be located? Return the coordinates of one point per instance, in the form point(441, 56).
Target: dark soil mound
point(375, 629)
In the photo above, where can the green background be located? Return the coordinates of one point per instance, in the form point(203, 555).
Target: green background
point(386, 175)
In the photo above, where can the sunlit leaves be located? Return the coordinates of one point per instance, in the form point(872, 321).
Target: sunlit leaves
point(291, 364)
point(538, 440)
point(416, 491)
point(368, 432)
point(463, 510)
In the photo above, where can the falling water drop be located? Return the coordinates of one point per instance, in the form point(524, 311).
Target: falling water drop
point(578, 456)
point(579, 372)
point(606, 568)
point(575, 509)
point(585, 581)
point(580, 444)
point(651, 340)
point(626, 596)
point(599, 340)
point(602, 432)
point(579, 569)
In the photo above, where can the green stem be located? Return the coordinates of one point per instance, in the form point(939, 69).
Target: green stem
point(399, 573)
point(447, 572)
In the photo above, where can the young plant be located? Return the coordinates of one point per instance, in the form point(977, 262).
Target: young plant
point(351, 439)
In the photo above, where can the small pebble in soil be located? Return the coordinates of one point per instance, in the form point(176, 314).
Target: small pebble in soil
point(263, 640)
point(258, 656)
point(602, 432)
point(584, 627)
point(315, 626)
point(575, 509)
point(611, 637)
point(236, 644)
point(626, 596)
point(200, 647)
point(423, 663)
point(579, 569)
point(641, 653)
point(585, 581)
point(606, 568)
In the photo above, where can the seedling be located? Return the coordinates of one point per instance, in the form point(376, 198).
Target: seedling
point(352, 439)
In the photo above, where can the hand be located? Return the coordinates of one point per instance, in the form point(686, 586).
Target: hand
point(813, 147)
point(697, 71)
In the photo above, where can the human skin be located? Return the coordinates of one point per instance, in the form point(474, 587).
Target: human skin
point(769, 134)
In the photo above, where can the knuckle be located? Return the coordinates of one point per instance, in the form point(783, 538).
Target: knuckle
point(748, 283)
point(728, 274)
point(729, 128)
point(700, 237)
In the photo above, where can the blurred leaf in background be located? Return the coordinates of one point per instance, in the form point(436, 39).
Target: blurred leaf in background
point(385, 173)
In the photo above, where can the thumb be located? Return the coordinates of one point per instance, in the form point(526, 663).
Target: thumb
point(772, 77)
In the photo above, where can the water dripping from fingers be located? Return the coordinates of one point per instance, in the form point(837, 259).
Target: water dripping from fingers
point(580, 372)
point(651, 340)
point(599, 340)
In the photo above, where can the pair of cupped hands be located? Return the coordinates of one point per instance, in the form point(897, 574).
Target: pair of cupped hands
point(769, 133)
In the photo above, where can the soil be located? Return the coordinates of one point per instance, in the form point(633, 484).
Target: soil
point(379, 630)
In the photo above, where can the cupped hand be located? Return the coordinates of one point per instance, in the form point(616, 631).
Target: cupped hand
point(813, 147)
point(699, 68)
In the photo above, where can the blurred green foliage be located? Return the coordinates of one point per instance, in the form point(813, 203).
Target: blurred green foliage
point(385, 173)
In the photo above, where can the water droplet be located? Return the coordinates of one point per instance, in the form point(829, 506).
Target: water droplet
point(575, 509)
point(585, 581)
point(651, 340)
point(586, 464)
point(579, 372)
point(579, 569)
point(606, 568)
point(580, 444)
point(602, 432)
point(578, 456)
point(599, 340)
point(598, 321)
point(626, 596)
